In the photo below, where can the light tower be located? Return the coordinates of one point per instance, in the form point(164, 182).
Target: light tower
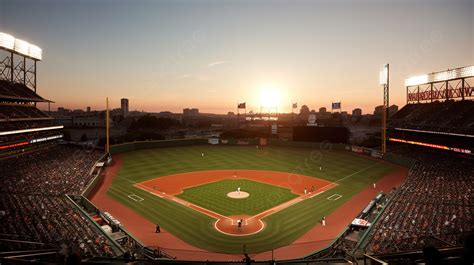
point(19, 64)
point(384, 81)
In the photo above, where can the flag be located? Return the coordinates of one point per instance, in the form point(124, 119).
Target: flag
point(336, 105)
point(295, 105)
point(241, 105)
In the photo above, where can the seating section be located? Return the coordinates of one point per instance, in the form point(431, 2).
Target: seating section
point(33, 206)
point(54, 171)
point(52, 220)
point(16, 111)
point(436, 202)
point(449, 116)
point(17, 91)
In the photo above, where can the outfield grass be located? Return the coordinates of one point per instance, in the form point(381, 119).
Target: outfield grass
point(213, 196)
point(282, 228)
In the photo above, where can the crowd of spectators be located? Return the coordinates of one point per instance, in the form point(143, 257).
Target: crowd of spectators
point(449, 116)
point(34, 208)
point(51, 220)
point(58, 170)
point(20, 111)
point(434, 206)
point(17, 91)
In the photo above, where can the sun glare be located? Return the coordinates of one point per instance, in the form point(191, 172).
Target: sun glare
point(270, 97)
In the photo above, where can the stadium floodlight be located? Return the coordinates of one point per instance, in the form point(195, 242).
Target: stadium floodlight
point(463, 72)
point(35, 52)
point(416, 80)
point(383, 75)
point(467, 71)
point(7, 41)
point(22, 47)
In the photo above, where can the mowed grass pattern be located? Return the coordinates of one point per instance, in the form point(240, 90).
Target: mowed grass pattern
point(213, 196)
point(282, 228)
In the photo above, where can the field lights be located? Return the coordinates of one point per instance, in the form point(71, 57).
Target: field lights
point(383, 75)
point(22, 47)
point(447, 75)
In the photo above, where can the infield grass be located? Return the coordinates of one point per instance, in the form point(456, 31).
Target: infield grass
point(352, 172)
point(213, 196)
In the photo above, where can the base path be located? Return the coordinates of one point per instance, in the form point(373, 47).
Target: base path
point(168, 186)
point(316, 238)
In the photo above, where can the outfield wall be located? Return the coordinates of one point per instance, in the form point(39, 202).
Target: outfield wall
point(128, 147)
point(393, 158)
point(139, 145)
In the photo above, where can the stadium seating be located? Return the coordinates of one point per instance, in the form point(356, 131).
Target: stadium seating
point(448, 116)
point(17, 91)
point(54, 171)
point(435, 204)
point(17, 111)
point(33, 206)
point(50, 219)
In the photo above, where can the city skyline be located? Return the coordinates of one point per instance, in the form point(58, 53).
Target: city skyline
point(166, 56)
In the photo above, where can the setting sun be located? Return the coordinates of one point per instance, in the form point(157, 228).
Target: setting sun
point(270, 97)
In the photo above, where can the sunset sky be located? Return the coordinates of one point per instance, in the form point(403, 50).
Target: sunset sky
point(169, 55)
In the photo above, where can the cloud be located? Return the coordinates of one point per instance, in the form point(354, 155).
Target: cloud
point(217, 63)
point(194, 77)
point(185, 76)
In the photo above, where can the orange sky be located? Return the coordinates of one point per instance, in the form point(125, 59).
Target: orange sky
point(169, 55)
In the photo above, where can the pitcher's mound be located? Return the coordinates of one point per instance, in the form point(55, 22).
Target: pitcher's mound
point(238, 195)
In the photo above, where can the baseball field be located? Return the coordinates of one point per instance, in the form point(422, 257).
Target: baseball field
point(186, 191)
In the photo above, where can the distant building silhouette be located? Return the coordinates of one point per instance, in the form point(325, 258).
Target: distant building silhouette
point(378, 110)
point(392, 110)
point(357, 112)
point(190, 112)
point(124, 107)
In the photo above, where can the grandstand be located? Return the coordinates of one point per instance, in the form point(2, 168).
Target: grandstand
point(448, 117)
point(36, 174)
point(23, 127)
point(434, 207)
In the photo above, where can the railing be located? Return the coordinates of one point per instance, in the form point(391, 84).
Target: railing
point(89, 206)
point(96, 179)
point(118, 249)
point(362, 244)
point(373, 260)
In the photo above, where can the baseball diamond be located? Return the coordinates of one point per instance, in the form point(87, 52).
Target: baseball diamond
point(186, 193)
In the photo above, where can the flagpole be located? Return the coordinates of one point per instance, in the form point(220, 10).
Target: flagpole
point(238, 116)
point(292, 122)
point(245, 115)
